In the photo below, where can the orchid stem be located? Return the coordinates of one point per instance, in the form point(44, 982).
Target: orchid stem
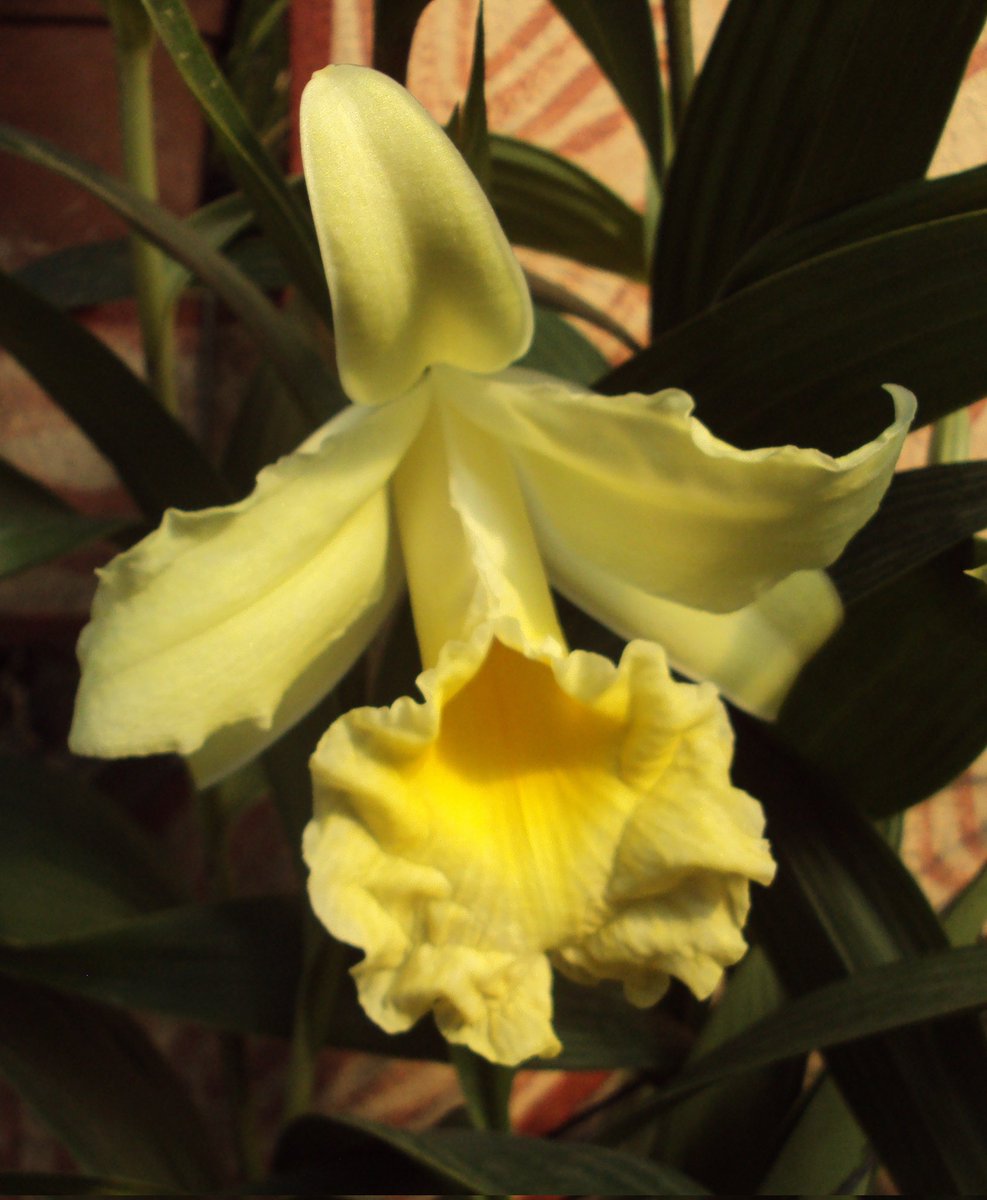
point(322, 972)
point(486, 1088)
point(134, 40)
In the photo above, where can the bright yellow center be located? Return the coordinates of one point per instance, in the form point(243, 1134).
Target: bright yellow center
point(520, 786)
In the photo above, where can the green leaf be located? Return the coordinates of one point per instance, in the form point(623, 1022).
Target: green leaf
point(801, 356)
point(257, 66)
point(801, 108)
point(261, 180)
point(70, 862)
point(98, 272)
point(38, 526)
point(923, 513)
point(826, 1145)
point(98, 1083)
point(38, 1183)
point(394, 27)
point(232, 964)
point(469, 119)
point(745, 1109)
point(870, 1001)
point(557, 298)
point(153, 455)
point(295, 357)
point(77, 276)
point(478, 1162)
point(964, 916)
point(625, 49)
point(822, 1152)
point(894, 705)
point(843, 902)
point(546, 202)
point(905, 207)
point(559, 349)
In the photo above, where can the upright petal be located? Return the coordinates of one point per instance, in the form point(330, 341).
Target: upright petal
point(418, 267)
point(637, 487)
point(223, 627)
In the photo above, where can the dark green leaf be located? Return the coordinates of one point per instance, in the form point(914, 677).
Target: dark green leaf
point(965, 915)
point(70, 862)
point(97, 1082)
point(905, 207)
point(801, 108)
point(394, 27)
point(894, 705)
point(888, 102)
point(97, 272)
point(872, 1000)
point(294, 356)
point(557, 298)
point(745, 1109)
point(232, 964)
point(559, 349)
point(257, 65)
point(924, 513)
point(497, 1163)
point(38, 526)
point(154, 457)
point(843, 902)
point(625, 49)
point(546, 202)
point(822, 1151)
point(77, 276)
point(37, 1183)
point(278, 212)
point(801, 356)
point(469, 120)
point(826, 1144)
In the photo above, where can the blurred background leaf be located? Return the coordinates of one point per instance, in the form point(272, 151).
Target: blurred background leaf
point(97, 1082)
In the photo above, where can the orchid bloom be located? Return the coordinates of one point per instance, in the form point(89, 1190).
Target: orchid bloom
point(539, 806)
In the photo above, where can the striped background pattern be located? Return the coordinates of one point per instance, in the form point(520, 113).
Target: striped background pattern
point(541, 85)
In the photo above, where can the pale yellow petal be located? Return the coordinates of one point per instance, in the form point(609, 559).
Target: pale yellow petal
point(535, 809)
point(753, 655)
point(223, 627)
point(418, 267)
point(469, 549)
point(637, 487)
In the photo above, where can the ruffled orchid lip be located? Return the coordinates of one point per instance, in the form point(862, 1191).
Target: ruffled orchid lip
point(536, 807)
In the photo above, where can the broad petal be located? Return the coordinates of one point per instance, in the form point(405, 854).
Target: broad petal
point(418, 267)
point(223, 627)
point(535, 809)
point(638, 487)
point(753, 655)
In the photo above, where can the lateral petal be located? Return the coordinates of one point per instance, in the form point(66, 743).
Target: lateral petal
point(419, 269)
point(752, 655)
point(223, 627)
point(637, 487)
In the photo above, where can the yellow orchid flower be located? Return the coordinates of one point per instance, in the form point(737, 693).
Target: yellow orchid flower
point(540, 807)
